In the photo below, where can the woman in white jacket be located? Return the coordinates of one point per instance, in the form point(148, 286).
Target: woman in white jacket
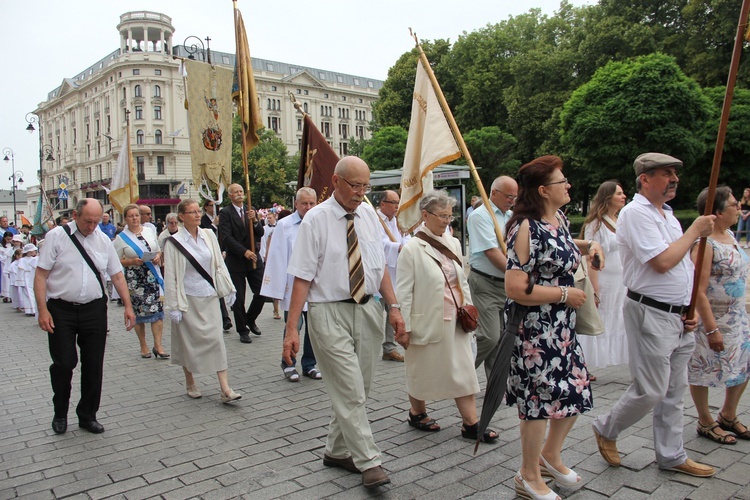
point(438, 357)
point(193, 302)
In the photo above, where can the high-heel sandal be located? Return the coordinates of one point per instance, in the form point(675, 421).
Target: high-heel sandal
point(569, 479)
point(470, 432)
point(524, 490)
point(416, 422)
point(731, 426)
point(158, 355)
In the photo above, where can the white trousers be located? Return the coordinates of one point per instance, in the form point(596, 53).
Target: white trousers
point(659, 353)
point(347, 340)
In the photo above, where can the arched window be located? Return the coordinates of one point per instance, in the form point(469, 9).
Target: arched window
point(157, 137)
point(157, 91)
point(137, 91)
point(139, 137)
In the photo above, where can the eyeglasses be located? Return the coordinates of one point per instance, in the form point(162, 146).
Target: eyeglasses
point(191, 213)
point(564, 181)
point(358, 187)
point(510, 197)
point(444, 218)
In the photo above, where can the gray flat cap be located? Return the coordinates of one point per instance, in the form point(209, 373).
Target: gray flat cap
point(650, 161)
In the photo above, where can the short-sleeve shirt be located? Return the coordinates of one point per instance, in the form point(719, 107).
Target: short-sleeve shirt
point(109, 229)
point(482, 237)
point(320, 253)
point(642, 234)
point(70, 278)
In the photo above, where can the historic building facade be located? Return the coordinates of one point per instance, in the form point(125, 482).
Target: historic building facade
point(84, 119)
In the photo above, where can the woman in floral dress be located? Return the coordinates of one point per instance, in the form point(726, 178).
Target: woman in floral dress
point(142, 281)
point(548, 378)
point(722, 340)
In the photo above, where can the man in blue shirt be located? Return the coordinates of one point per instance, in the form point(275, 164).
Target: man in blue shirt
point(487, 261)
point(107, 227)
point(5, 227)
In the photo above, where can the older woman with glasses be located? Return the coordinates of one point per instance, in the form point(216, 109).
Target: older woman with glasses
point(173, 224)
point(195, 277)
point(438, 358)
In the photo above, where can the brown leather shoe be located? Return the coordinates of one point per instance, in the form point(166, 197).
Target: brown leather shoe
point(393, 356)
point(694, 469)
point(607, 449)
point(374, 477)
point(344, 463)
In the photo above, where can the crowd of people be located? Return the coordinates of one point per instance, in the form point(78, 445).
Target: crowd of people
point(361, 287)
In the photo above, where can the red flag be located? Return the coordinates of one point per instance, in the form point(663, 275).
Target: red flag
point(317, 161)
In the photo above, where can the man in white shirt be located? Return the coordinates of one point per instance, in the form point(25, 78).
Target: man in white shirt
point(146, 217)
point(487, 261)
point(658, 273)
point(338, 264)
point(73, 309)
point(393, 241)
point(277, 283)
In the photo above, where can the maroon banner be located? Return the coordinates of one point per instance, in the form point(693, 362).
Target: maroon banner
point(317, 161)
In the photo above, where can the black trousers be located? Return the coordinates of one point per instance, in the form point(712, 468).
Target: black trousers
point(244, 318)
point(85, 325)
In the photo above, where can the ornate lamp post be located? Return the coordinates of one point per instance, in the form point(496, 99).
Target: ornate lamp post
point(17, 178)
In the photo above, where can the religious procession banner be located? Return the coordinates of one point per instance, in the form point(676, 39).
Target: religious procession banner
point(430, 143)
point(209, 96)
point(124, 188)
point(317, 161)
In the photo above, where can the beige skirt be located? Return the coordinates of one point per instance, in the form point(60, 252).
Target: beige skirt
point(197, 341)
point(444, 369)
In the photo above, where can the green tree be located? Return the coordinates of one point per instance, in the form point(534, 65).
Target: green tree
point(493, 152)
point(385, 151)
point(628, 108)
point(269, 168)
point(357, 146)
point(393, 107)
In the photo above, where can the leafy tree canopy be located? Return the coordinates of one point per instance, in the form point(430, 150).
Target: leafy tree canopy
point(385, 151)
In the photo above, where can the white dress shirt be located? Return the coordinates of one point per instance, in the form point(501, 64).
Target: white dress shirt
point(70, 278)
point(642, 234)
point(320, 252)
point(195, 284)
point(277, 282)
point(392, 247)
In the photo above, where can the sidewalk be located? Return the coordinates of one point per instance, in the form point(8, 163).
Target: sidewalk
point(161, 444)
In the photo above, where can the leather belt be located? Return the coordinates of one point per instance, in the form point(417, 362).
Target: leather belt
point(647, 301)
point(364, 301)
point(488, 276)
point(75, 304)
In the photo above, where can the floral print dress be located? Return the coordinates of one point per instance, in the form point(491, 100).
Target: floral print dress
point(548, 376)
point(726, 294)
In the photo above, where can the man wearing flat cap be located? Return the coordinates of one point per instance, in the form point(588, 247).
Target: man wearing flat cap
point(658, 273)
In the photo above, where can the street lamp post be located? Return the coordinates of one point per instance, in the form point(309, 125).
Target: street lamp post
point(17, 178)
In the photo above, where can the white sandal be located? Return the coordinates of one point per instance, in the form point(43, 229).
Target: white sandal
point(525, 490)
point(193, 392)
point(569, 479)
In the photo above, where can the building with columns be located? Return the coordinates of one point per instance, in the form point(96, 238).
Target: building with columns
point(84, 119)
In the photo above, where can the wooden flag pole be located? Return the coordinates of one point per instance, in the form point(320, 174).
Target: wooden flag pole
point(716, 165)
point(241, 105)
point(459, 138)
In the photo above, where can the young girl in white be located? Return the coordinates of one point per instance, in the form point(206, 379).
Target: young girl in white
point(27, 269)
point(15, 298)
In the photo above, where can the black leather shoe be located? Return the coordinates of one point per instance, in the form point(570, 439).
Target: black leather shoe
point(254, 328)
point(92, 426)
point(227, 325)
point(245, 338)
point(59, 425)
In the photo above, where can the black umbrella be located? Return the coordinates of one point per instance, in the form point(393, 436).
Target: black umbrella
point(496, 383)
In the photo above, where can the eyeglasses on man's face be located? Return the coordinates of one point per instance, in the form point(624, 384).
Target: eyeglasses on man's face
point(358, 187)
point(510, 197)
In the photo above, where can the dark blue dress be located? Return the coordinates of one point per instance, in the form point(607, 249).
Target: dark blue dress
point(548, 376)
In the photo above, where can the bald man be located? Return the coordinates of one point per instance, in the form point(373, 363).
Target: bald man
point(234, 235)
point(338, 264)
point(487, 261)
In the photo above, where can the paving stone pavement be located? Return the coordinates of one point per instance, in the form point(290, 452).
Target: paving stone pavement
point(161, 444)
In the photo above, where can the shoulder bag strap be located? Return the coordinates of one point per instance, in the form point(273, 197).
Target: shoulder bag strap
point(192, 261)
point(445, 251)
point(86, 257)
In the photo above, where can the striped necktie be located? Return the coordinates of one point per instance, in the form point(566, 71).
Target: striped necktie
point(356, 271)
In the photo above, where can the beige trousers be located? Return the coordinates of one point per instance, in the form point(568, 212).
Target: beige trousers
point(347, 340)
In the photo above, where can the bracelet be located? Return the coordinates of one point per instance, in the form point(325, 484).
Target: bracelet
point(563, 294)
point(715, 330)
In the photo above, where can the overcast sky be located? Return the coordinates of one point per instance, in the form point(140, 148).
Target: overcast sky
point(45, 41)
